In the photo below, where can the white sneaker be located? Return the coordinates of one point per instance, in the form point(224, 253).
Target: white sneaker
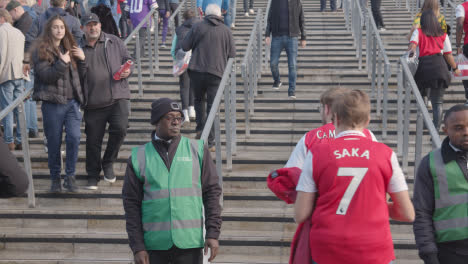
point(251, 11)
point(186, 116)
point(246, 14)
point(429, 105)
point(191, 112)
point(233, 26)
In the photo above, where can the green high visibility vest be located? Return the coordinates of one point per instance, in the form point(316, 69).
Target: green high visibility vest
point(451, 199)
point(172, 206)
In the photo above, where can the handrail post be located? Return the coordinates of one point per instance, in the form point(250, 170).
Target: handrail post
point(227, 126)
point(406, 127)
point(400, 111)
point(379, 84)
point(27, 157)
point(246, 100)
point(150, 49)
point(385, 101)
point(156, 40)
point(419, 135)
point(233, 91)
point(138, 58)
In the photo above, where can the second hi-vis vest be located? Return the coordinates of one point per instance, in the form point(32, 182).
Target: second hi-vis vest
point(451, 199)
point(172, 206)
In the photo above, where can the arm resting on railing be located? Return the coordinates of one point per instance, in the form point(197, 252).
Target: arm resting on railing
point(13, 178)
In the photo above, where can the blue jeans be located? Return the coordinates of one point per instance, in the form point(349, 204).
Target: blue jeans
point(323, 5)
point(9, 91)
point(30, 106)
point(290, 45)
point(55, 117)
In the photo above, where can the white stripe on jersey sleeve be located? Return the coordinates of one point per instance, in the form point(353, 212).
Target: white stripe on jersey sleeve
point(397, 182)
point(306, 181)
point(298, 155)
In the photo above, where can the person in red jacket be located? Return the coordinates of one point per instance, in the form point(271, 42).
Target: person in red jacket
point(343, 187)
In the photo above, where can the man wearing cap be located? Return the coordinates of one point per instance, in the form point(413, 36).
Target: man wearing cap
point(441, 195)
point(107, 99)
point(167, 184)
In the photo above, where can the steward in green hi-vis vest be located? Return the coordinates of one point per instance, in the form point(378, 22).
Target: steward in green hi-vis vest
point(451, 199)
point(172, 206)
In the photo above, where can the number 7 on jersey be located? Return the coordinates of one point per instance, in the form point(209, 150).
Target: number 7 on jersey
point(358, 174)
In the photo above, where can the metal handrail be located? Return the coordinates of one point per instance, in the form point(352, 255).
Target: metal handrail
point(356, 29)
point(407, 90)
point(376, 62)
point(152, 16)
point(19, 103)
point(228, 88)
point(251, 68)
point(450, 7)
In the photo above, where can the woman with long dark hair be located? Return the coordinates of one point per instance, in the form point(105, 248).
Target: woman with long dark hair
point(57, 61)
point(435, 52)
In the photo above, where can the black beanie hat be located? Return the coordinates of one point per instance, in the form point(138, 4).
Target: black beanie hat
point(163, 106)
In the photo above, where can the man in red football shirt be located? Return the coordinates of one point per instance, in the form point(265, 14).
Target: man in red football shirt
point(343, 187)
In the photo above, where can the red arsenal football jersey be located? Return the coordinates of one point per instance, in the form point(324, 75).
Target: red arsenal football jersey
point(350, 223)
point(325, 133)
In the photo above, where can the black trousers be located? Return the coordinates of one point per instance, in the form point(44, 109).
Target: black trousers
point(375, 6)
point(204, 84)
point(450, 257)
point(95, 126)
point(176, 256)
point(173, 9)
point(186, 92)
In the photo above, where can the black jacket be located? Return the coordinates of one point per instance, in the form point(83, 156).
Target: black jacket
point(132, 194)
point(296, 19)
point(13, 178)
point(116, 55)
point(24, 23)
point(212, 45)
point(424, 204)
point(182, 30)
point(164, 4)
point(105, 17)
point(49, 80)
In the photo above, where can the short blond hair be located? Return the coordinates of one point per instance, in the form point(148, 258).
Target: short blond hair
point(352, 108)
point(329, 95)
point(4, 13)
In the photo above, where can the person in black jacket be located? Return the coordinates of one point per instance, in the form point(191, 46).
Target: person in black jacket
point(286, 23)
point(107, 99)
point(13, 179)
point(441, 195)
point(57, 84)
point(108, 24)
point(212, 45)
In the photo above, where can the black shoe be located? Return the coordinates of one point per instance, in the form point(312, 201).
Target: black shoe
point(277, 85)
point(109, 175)
point(69, 184)
point(92, 184)
point(55, 187)
point(33, 134)
point(292, 95)
point(18, 146)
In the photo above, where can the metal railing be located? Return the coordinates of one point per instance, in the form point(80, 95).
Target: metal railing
point(378, 69)
point(227, 87)
point(151, 17)
point(19, 103)
point(252, 67)
point(407, 92)
point(354, 20)
point(449, 14)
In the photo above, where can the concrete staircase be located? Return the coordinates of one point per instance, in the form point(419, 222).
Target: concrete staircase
point(89, 226)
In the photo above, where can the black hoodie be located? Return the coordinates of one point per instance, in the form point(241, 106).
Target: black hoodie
point(212, 45)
